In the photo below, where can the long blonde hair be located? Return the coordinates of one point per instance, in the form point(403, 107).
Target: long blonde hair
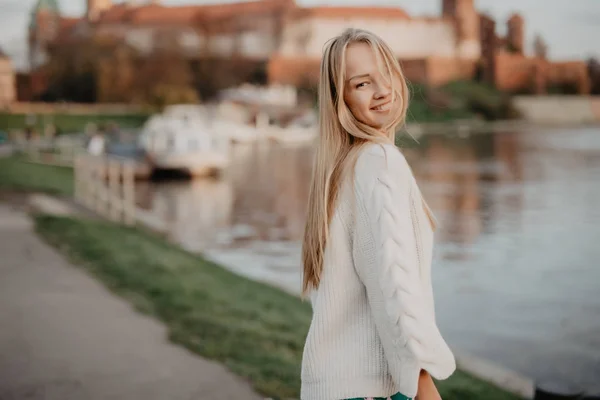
point(340, 138)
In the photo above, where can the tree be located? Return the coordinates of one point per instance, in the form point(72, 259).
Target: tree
point(91, 69)
point(106, 69)
point(116, 75)
point(164, 77)
point(71, 73)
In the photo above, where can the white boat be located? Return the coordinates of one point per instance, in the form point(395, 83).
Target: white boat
point(237, 132)
point(181, 140)
point(301, 131)
point(293, 135)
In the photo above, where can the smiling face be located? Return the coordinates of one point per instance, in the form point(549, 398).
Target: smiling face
point(367, 92)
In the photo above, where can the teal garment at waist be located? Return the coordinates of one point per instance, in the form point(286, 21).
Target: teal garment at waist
point(397, 396)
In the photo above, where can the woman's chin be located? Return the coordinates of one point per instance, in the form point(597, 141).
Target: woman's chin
point(380, 123)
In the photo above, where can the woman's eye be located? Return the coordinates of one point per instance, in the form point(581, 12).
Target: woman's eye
point(361, 85)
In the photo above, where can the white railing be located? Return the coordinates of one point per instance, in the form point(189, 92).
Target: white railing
point(106, 185)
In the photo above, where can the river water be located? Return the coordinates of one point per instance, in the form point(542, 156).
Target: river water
point(517, 256)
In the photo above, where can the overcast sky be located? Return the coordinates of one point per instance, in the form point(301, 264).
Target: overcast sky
point(570, 27)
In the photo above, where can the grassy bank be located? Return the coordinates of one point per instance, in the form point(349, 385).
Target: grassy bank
point(458, 100)
point(256, 330)
point(69, 123)
point(16, 174)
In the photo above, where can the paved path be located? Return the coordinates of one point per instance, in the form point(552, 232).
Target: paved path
point(63, 336)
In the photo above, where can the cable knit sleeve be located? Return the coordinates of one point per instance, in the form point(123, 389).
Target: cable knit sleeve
point(387, 259)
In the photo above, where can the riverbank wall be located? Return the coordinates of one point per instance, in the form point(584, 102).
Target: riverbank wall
point(559, 110)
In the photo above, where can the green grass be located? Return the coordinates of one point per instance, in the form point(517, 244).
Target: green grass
point(423, 106)
point(467, 88)
point(458, 100)
point(482, 99)
point(70, 123)
point(256, 330)
point(17, 174)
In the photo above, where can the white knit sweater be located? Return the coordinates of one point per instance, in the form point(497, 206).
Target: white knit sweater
point(373, 327)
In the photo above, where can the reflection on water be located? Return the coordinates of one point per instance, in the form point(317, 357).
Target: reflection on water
point(192, 211)
point(516, 274)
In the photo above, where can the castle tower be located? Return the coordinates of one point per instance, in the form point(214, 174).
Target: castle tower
point(489, 47)
point(515, 37)
point(466, 20)
point(96, 7)
point(43, 29)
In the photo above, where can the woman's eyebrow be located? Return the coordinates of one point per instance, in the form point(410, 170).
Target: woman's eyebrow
point(358, 76)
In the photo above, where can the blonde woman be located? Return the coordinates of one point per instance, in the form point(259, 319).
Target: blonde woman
point(368, 239)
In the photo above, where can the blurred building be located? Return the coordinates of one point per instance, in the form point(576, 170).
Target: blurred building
point(433, 50)
point(7, 80)
point(508, 68)
point(286, 40)
point(248, 29)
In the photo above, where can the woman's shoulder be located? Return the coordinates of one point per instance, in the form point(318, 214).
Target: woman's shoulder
point(380, 157)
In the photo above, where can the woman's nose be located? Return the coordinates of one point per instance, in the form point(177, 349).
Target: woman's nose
point(382, 90)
